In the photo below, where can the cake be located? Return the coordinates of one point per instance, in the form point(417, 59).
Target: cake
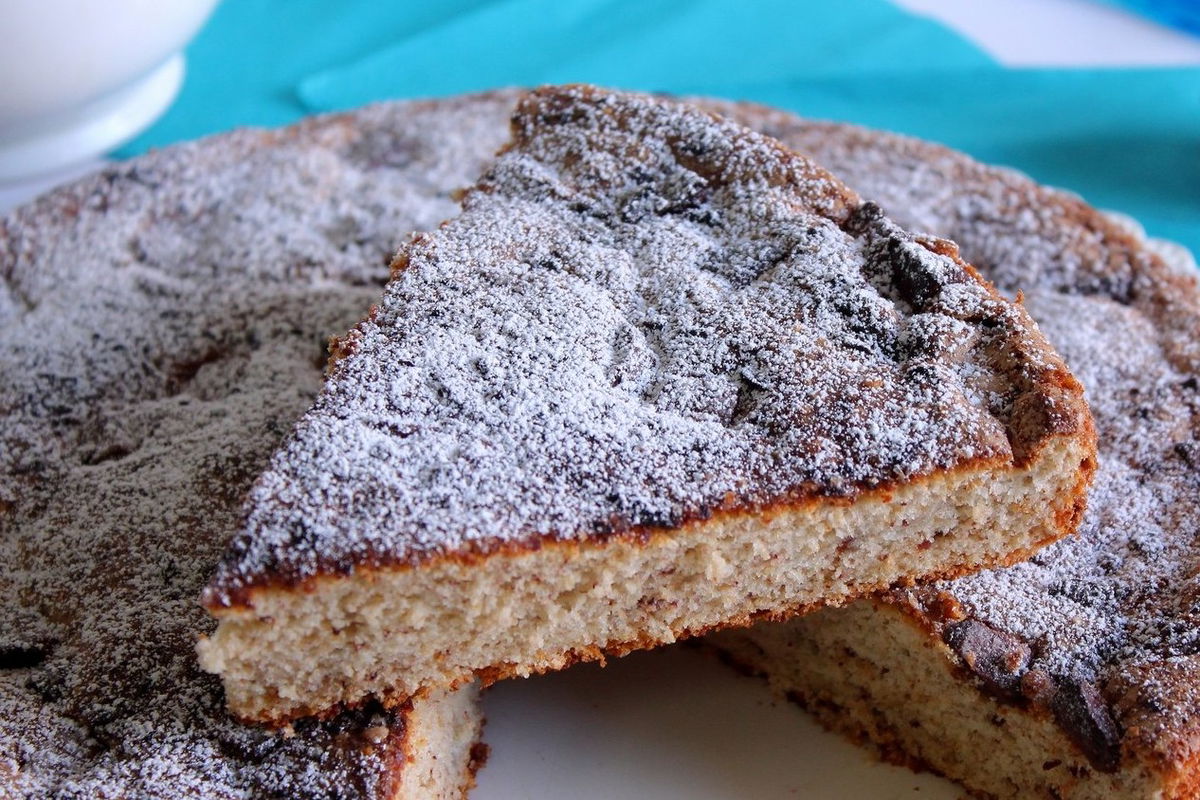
point(164, 324)
point(349, 182)
point(1076, 674)
point(660, 376)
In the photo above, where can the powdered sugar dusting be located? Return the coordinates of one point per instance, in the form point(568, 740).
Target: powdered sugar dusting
point(1128, 566)
point(165, 324)
point(642, 314)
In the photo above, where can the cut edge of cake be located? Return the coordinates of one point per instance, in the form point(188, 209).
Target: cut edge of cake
point(646, 571)
point(874, 672)
point(443, 745)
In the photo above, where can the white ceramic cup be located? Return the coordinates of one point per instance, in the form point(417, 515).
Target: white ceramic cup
point(80, 77)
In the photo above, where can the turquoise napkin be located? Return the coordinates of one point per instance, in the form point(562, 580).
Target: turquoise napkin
point(244, 66)
point(643, 44)
point(1125, 139)
point(269, 62)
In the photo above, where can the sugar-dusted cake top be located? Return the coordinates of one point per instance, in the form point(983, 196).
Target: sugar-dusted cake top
point(643, 315)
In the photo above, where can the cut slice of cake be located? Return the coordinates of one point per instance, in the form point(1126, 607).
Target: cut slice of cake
point(1077, 674)
point(661, 376)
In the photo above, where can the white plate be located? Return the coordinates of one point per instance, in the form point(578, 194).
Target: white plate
point(672, 723)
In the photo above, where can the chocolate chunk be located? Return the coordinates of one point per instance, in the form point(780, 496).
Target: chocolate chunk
point(1082, 712)
point(998, 659)
point(22, 656)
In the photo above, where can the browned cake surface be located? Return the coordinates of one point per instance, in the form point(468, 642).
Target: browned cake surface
point(164, 323)
point(1100, 632)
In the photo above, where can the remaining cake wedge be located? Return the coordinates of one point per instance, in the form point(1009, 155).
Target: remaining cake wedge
point(1077, 674)
point(661, 376)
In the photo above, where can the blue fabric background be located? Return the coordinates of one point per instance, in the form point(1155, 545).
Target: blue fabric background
point(1124, 139)
point(1183, 14)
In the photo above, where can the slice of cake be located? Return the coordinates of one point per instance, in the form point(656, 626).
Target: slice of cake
point(661, 376)
point(1077, 674)
point(161, 333)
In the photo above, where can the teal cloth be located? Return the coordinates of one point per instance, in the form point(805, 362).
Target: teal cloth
point(1124, 139)
point(659, 45)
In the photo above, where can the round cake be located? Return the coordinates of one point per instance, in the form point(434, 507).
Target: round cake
point(166, 322)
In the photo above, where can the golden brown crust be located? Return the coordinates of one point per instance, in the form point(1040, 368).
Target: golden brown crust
point(1067, 516)
point(1182, 782)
